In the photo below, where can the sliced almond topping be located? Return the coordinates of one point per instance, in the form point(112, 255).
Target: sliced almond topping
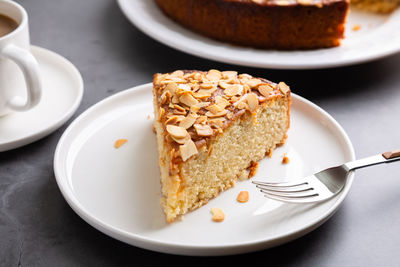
point(200, 143)
point(229, 74)
point(252, 101)
point(242, 105)
point(201, 119)
point(171, 87)
point(214, 115)
point(188, 100)
point(253, 83)
point(217, 215)
point(243, 197)
point(161, 112)
point(265, 90)
point(175, 99)
point(165, 97)
point(223, 84)
point(245, 76)
point(236, 89)
point(176, 131)
point(215, 108)
point(177, 74)
point(188, 121)
point(203, 130)
point(214, 75)
point(304, 2)
point(188, 149)
point(181, 140)
point(185, 87)
point(202, 94)
point(173, 80)
point(283, 87)
point(222, 102)
point(217, 122)
point(174, 119)
point(206, 85)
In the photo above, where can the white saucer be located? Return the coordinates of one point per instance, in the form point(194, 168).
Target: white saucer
point(61, 96)
point(117, 191)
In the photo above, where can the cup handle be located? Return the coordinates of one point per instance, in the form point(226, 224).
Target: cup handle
point(30, 68)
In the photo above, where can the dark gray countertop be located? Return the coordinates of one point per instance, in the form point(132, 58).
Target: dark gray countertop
point(38, 228)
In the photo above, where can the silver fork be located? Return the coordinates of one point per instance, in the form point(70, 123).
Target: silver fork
point(322, 185)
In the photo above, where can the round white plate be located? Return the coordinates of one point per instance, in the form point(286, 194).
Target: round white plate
point(378, 37)
point(117, 191)
point(61, 96)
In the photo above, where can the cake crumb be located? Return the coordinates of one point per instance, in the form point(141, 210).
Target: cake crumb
point(217, 215)
point(285, 159)
point(253, 169)
point(148, 116)
point(356, 27)
point(120, 142)
point(243, 197)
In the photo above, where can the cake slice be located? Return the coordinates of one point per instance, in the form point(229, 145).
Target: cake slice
point(212, 128)
point(377, 6)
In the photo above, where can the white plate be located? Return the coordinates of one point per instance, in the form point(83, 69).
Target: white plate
point(61, 96)
point(378, 37)
point(118, 190)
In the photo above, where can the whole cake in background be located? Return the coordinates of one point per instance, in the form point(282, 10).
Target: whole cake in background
point(268, 24)
point(212, 128)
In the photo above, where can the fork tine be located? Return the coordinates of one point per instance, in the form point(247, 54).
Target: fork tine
point(284, 184)
point(301, 194)
point(290, 190)
point(301, 187)
point(309, 199)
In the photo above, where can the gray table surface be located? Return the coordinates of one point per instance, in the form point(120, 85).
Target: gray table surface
point(38, 228)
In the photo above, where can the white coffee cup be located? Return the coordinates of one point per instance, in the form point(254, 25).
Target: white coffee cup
point(20, 82)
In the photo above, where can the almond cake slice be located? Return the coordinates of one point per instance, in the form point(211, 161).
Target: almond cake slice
point(212, 128)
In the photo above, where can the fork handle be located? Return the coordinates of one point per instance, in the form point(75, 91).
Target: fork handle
point(385, 157)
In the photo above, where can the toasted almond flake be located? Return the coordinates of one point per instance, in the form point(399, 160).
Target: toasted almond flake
point(206, 85)
point(244, 76)
point(200, 143)
point(201, 119)
point(229, 74)
point(188, 100)
point(177, 74)
point(217, 215)
point(203, 130)
point(282, 2)
point(215, 108)
point(185, 87)
point(283, 87)
point(236, 89)
point(176, 131)
point(242, 105)
point(188, 121)
point(202, 94)
point(223, 84)
point(252, 101)
point(188, 149)
point(173, 80)
point(222, 102)
point(181, 140)
point(217, 122)
point(253, 83)
point(118, 143)
point(214, 115)
point(214, 75)
point(165, 97)
point(171, 87)
point(174, 119)
point(161, 112)
point(175, 99)
point(243, 197)
point(265, 90)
